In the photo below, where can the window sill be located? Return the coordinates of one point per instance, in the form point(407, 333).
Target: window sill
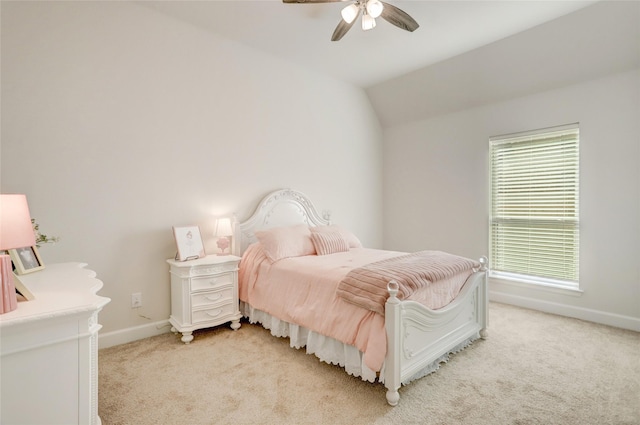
point(542, 286)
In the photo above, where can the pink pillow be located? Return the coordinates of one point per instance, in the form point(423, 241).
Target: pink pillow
point(284, 242)
point(329, 242)
point(352, 240)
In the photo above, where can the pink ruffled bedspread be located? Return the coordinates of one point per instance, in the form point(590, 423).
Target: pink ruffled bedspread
point(302, 290)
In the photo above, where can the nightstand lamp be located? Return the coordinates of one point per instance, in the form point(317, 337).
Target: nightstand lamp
point(16, 231)
point(223, 233)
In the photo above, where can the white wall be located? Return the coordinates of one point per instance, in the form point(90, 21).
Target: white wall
point(119, 123)
point(436, 190)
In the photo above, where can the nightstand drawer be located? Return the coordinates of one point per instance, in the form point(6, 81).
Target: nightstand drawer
point(221, 296)
point(210, 282)
point(220, 312)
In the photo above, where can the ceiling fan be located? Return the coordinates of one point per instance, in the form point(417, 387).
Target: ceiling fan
point(370, 9)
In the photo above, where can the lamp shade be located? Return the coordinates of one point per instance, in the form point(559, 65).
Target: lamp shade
point(374, 8)
point(368, 22)
point(16, 230)
point(350, 13)
point(223, 227)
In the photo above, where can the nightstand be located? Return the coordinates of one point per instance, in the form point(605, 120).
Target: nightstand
point(204, 293)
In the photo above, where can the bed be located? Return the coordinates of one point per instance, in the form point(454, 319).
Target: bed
point(393, 337)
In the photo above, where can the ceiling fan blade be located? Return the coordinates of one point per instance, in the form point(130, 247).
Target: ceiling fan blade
point(312, 1)
point(398, 17)
point(342, 28)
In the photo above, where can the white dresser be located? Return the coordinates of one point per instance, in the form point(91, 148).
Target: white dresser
point(49, 349)
point(204, 293)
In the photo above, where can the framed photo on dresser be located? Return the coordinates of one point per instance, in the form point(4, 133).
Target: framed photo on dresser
point(189, 243)
point(26, 260)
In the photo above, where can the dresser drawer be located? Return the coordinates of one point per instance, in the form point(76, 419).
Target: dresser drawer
point(214, 313)
point(223, 295)
point(210, 282)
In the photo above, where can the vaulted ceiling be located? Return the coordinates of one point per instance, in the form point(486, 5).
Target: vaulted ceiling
point(464, 54)
point(301, 33)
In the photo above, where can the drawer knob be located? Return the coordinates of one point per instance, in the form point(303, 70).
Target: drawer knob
point(214, 297)
point(216, 314)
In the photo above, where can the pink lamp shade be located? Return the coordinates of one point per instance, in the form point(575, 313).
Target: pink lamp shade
point(16, 231)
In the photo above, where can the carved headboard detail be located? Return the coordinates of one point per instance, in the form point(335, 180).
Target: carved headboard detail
point(285, 207)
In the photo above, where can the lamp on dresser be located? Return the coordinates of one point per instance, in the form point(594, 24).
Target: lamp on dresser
point(16, 231)
point(223, 233)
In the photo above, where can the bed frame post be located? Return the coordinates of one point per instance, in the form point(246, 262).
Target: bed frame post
point(484, 301)
point(392, 312)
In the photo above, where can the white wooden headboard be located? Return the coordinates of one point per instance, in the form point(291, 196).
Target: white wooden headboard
point(285, 207)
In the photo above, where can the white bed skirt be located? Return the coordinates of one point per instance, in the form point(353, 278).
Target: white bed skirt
point(332, 351)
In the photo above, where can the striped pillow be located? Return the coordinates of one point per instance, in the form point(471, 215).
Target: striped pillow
point(352, 239)
point(329, 243)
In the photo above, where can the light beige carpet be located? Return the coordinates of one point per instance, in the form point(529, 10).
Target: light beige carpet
point(534, 368)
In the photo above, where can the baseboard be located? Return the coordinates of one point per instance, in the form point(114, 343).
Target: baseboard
point(135, 333)
point(604, 318)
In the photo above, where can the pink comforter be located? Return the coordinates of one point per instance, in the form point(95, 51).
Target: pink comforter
point(302, 290)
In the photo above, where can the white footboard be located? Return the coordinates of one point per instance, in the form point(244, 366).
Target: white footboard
point(417, 336)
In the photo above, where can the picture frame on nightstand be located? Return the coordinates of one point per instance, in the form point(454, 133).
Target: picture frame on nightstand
point(26, 260)
point(188, 242)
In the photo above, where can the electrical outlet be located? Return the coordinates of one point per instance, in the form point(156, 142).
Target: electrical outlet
point(136, 300)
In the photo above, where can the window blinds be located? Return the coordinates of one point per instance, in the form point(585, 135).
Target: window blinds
point(534, 205)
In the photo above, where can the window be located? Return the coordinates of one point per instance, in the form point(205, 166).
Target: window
point(534, 233)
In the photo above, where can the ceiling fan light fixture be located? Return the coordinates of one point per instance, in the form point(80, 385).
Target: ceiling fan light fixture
point(350, 13)
point(374, 8)
point(368, 22)
point(370, 9)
